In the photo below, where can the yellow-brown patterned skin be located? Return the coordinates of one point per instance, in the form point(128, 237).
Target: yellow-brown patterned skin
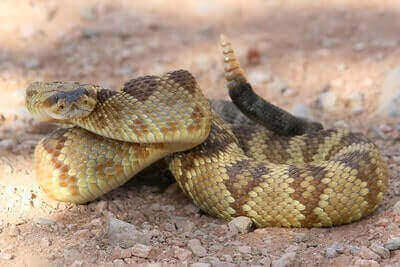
point(318, 179)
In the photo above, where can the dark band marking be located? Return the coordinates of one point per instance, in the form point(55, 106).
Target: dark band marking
point(143, 87)
point(240, 187)
point(318, 173)
point(184, 79)
point(104, 94)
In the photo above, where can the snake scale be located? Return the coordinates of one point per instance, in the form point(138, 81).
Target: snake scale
point(285, 171)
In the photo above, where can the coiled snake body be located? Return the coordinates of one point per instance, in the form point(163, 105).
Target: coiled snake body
point(288, 173)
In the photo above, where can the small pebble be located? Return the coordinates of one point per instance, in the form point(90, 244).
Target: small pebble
point(31, 63)
point(200, 264)
point(327, 100)
point(244, 249)
point(286, 259)
point(354, 249)
point(396, 207)
point(301, 237)
point(365, 263)
point(384, 253)
point(44, 221)
point(195, 246)
point(393, 244)
point(368, 254)
point(359, 46)
point(6, 144)
point(13, 231)
point(300, 110)
point(124, 234)
point(45, 242)
point(141, 251)
point(242, 224)
point(334, 250)
point(227, 258)
point(182, 254)
point(191, 209)
point(6, 256)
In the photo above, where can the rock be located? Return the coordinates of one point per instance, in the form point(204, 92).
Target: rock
point(6, 144)
point(288, 92)
point(77, 263)
point(278, 86)
point(384, 43)
point(182, 254)
point(88, 13)
point(356, 102)
point(393, 244)
point(359, 46)
point(72, 253)
point(182, 224)
point(141, 251)
point(292, 248)
point(45, 242)
point(227, 258)
point(259, 77)
point(191, 209)
point(341, 124)
point(31, 63)
point(244, 249)
point(365, 263)
point(200, 264)
point(6, 256)
point(44, 221)
point(195, 246)
point(300, 110)
point(90, 32)
point(266, 261)
point(341, 67)
point(242, 224)
point(223, 264)
point(389, 101)
point(384, 253)
point(368, 254)
point(396, 207)
point(170, 227)
point(13, 230)
point(334, 250)
point(330, 42)
point(124, 234)
point(327, 100)
point(124, 71)
point(354, 249)
point(121, 253)
point(101, 206)
point(215, 248)
point(287, 259)
point(301, 237)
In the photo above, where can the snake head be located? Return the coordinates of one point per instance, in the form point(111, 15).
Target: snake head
point(64, 100)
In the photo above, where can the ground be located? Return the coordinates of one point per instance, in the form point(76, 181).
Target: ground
point(331, 58)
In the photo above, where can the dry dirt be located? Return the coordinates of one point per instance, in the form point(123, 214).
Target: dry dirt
point(345, 46)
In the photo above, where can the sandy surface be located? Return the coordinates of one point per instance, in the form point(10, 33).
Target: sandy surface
point(293, 51)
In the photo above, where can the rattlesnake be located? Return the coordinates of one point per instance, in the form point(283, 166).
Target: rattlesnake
point(288, 172)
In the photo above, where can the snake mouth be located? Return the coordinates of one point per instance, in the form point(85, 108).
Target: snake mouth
point(70, 114)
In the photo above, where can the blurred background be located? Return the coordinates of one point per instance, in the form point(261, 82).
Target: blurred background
point(334, 54)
